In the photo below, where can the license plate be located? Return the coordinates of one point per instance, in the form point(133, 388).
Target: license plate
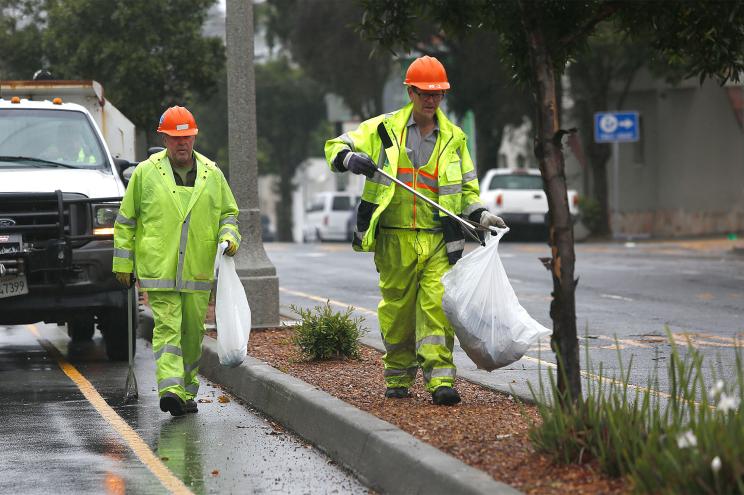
point(536, 218)
point(14, 285)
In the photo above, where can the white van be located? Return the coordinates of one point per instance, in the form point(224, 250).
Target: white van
point(327, 217)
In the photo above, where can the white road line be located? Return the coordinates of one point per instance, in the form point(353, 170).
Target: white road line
point(617, 298)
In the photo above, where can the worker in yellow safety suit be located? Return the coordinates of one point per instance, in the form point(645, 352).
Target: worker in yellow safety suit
point(414, 244)
point(177, 208)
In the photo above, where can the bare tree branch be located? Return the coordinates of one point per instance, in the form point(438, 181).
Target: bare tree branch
point(606, 11)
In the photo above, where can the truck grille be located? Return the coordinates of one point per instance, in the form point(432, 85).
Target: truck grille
point(36, 217)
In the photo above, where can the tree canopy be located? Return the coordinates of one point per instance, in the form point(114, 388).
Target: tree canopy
point(322, 39)
point(148, 54)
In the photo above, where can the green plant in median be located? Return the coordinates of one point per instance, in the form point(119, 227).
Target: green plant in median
point(324, 334)
point(689, 440)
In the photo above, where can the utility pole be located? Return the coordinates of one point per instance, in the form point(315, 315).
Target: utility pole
point(255, 270)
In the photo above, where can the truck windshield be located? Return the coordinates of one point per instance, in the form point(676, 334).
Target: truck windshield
point(48, 138)
point(516, 182)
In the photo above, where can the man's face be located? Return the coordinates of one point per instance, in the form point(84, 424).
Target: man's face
point(180, 149)
point(425, 102)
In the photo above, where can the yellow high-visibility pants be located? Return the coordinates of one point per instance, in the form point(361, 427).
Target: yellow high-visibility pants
point(177, 340)
point(415, 330)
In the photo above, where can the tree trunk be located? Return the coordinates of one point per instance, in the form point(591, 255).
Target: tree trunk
point(284, 222)
point(550, 157)
point(488, 142)
point(599, 155)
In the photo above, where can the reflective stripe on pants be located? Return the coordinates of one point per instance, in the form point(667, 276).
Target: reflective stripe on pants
point(414, 327)
point(177, 340)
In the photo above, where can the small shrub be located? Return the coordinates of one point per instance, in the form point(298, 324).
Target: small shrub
point(325, 334)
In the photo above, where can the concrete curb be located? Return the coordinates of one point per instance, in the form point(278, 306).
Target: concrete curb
point(381, 455)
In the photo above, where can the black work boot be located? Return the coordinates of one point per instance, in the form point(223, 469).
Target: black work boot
point(445, 396)
point(397, 393)
point(172, 403)
point(190, 406)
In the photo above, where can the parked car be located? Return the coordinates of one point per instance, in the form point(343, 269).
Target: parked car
point(517, 196)
point(327, 216)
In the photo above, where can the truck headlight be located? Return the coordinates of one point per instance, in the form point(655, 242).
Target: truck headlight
point(104, 217)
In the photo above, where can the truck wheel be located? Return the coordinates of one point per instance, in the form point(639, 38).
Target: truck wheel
point(115, 331)
point(81, 329)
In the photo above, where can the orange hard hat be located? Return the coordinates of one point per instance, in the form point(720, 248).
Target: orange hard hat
point(177, 121)
point(427, 73)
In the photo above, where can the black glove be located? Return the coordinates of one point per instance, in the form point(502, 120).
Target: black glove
point(360, 164)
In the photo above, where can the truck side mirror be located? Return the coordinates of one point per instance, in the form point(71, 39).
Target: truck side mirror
point(125, 169)
point(154, 149)
point(126, 175)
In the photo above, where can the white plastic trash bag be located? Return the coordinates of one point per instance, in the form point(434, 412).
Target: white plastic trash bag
point(493, 328)
point(232, 313)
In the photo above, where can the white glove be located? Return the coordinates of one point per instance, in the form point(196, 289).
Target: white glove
point(488, 219)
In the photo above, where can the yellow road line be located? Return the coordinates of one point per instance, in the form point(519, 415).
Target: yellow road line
point(170, 481)
point(603, 378)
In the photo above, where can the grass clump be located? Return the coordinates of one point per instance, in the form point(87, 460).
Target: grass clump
point(325, 334)
point(689, 440)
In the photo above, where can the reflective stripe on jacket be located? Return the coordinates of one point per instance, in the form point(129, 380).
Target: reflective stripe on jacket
point(173, 248)
point(457, 179)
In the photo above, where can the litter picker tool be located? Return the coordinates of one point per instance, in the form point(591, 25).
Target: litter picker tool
point(130, 387)
point(470, 227)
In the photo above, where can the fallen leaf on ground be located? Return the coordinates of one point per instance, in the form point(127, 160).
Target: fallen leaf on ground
point(223, 399)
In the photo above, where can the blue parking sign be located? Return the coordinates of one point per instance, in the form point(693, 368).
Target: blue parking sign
point(616, 127)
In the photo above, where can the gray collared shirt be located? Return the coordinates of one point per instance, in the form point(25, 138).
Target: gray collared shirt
point(418, 148)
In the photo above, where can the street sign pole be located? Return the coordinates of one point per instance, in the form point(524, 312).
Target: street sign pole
point(615, 218)
point(616, 128)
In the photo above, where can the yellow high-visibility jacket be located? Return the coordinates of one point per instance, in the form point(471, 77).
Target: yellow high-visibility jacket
point(457, 180)
point(169, 247)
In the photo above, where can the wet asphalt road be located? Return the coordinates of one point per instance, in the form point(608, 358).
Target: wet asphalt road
point(632, 292)
point(55, 441)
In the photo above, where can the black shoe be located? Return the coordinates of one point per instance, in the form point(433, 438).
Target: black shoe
point(445, 396)
point(190, 406)
point(397, 393)
point(172, 403)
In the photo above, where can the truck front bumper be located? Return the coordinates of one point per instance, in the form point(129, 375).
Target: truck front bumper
point(88, 286)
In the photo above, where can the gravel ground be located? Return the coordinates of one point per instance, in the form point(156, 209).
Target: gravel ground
point(487, 430)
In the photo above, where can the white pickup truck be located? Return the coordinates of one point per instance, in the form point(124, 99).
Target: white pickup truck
point(517, 196)
point(60, 188)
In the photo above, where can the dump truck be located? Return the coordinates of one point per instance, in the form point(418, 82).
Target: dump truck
point(63, 151)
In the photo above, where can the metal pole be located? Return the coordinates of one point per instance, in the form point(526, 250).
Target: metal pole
point(616, 189)
point(130, 386)
point(465, 223)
